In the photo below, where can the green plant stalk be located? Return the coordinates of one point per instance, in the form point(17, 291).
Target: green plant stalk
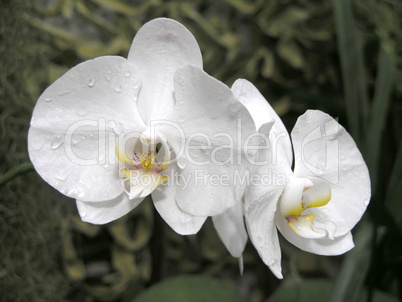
point(355, 266)
point(349, 282)
point(352, 66)
point(383, 89)
point(15, 172)
point(393, 197)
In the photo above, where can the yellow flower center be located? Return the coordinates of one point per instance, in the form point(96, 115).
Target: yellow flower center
point(147, 160)
point(299, 195)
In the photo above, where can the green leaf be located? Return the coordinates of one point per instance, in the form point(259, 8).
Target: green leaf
point(382, 99)
point(286, 22)
point(245, 7)
point(349, 282)
point(394, 191)
point(353, 72)
point(265, 56)
point(14, 172)
point(317, 290)
point(123, 8)
point(303, 291)
point(190, 288)
point(133, 231)
point(289, 51)
point(380, 296)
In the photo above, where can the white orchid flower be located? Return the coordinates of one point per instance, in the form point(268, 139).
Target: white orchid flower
point(112, 130)
point(317, 204)
point(230, 224)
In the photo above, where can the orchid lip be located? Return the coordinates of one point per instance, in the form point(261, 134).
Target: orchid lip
point(146, 159)
point(299, 195)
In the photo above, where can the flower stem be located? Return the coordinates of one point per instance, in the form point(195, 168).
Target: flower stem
point(14, 172)
point(157, 246)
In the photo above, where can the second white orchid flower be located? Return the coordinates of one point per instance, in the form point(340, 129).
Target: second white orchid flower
point(317, 204)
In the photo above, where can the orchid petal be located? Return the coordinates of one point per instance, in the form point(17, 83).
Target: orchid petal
point(299, 195)
point(323, 149)
point(303, 226)
point(231, 230)
point(165, 203)
point(159, 48)
point(71, 140)
point(291, 199)
point(216, 138)
point(320, 246)
point(129, 149)
point(262, 113)
point(318, 195)
point(260, 204)
point(260, 214)
point(105, 211)
point(142, 183)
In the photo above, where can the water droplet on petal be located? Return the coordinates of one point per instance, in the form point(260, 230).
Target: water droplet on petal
point(75, 139)
point(118, 128)
point(91, 82)
point(118, 88)
point(127, 73)
point(109, 76)
point(234, 109)
point(57, 141)
point(260, 242)
point(63, 92)
point(181, 119)
point(36, 144)
point(82, 209)
point(182, 162)
point(82, 111)
point(211, 196)
point(111, 124)
point(136, 88)
point(48, 99)
point(61, 174)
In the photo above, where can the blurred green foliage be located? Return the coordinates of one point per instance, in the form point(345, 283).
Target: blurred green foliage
point(190, 288)
point(343, 57)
